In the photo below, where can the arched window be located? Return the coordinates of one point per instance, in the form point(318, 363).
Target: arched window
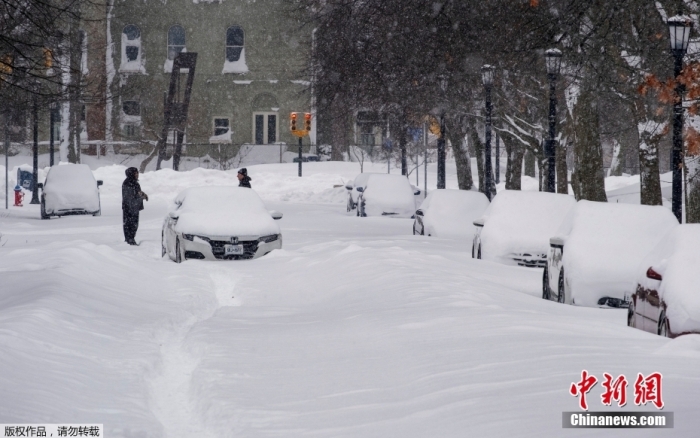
point(131, 40)
point(235, 40)
point(176, 41)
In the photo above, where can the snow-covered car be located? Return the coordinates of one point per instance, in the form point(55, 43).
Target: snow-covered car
point(386, 195)
point(594, 256)
point(351, 186)
point(450, 213)
point(516, 227)
point(666, 300)
point(70, 189)
point(219, 223)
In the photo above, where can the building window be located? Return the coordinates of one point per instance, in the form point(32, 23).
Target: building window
point(131, 108)
point(176, 41)
point(221, 126)
point(234, 43)
point(265, 128)
point(130, 130)
point(131, 41)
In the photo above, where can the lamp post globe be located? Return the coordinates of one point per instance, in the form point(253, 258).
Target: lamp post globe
point(487, 75)
point(679, 28)
point(552, 58)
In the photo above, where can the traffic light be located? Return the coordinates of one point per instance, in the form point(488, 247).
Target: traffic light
point(307, 122)
point(293, 122)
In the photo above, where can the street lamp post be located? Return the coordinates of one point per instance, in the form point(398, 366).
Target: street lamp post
point(487, 78)
point(679, 28)
point(35, 151)
point(553, 60)
point(52, 123)
point(441, 149)
point(441, 154)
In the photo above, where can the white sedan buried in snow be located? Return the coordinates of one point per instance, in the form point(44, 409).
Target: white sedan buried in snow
point(70, 189)
point(387, 195)
point(516, 227)
point(450, 213)
point(594, 258)
point(220, 223)
point(666, 301)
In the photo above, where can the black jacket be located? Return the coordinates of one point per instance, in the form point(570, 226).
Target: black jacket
point(132, 199)
point(245, 182)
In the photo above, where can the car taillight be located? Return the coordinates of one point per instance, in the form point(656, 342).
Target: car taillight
point(651, 273)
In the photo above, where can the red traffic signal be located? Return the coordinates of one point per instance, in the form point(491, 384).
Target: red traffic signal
point(293, 122)
point(307, 122)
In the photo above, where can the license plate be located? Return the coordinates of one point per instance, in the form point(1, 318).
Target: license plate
point(233, 250)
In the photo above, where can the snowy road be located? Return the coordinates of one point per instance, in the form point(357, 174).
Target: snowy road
point(355, 329)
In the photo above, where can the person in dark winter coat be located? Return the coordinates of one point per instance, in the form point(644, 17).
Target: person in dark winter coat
point(132, 204)
point(243, 178)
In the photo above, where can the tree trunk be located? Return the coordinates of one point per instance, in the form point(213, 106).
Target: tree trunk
point(530, 163)
point(463, 160)
point(649, 133)
point(588, 178)
point(692, 209)
point(75, 106)
point(615, 163)
point(514, 166)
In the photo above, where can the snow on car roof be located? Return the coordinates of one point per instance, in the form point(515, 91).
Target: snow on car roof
point(70, 172)
point(607, 243)
point(223, 211)
point(519, 222)
point(451, 213)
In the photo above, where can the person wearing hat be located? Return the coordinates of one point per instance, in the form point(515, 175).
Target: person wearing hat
point(132, 204)
point(243, 178)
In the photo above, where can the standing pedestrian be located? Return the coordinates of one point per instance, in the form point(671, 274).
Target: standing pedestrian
point(243, 178)
point(132, 204)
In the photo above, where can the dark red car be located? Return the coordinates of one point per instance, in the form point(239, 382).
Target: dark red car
point(667, 297)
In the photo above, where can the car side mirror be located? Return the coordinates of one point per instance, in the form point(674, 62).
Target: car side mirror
point(99, 182)
point(360, 189)
point(479, 222)
point(348, 187)
point(416, 193)
point(41, 186)
point(419, 213)
point(651, 273)
point(173, 215)
point(556, 242)
point(276, 215)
